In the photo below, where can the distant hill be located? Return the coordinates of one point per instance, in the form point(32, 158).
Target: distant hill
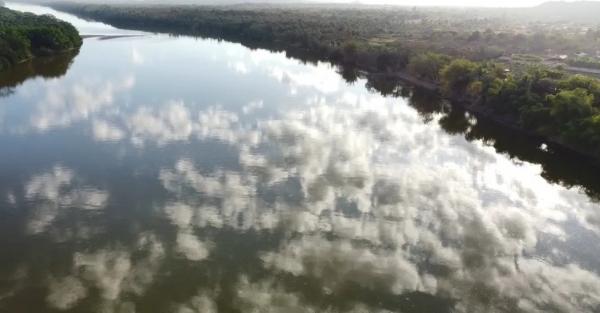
point(579, 11)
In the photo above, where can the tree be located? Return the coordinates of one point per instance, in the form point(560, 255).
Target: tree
point(571, 105)
point(23, 35)
point(590, 84)
point(456, 76)
point(570, 109)
point(427, 65)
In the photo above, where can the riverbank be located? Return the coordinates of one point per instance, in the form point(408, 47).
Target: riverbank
point(480, 110)
point(24, 36)
point(552, 105)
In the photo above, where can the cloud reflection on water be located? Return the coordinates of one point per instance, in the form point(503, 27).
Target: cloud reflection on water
point(392, 204)
point(356, 192)
point(53, 192)
point(61, 106)
point(117, 273)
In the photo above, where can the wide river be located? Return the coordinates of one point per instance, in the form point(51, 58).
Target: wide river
point(157, 174)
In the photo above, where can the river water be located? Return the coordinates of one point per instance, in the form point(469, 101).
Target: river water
point(155, 173)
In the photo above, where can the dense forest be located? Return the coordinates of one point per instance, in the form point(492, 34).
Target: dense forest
point(476, 35)
point(543, 101)
point(446, 50)
point(25, 35)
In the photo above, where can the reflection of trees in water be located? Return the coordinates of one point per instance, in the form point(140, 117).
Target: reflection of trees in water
point(46, 67)
point(384, 85)
point(6, 91)
point(559, 165)
point(350, 74)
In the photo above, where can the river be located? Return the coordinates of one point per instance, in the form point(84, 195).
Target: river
point(155, 173)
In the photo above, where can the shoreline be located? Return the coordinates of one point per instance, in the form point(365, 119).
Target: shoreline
point(480, 111)
point(34, 57)
point(27, 36)
point(325, 55)
point(108, 37)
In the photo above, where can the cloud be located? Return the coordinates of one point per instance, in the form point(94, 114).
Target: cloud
point(368, 195)
point(191, 247)
point(187, 243)
point(136, 57)
point(104, 131)
point(265, 296)
point(239, 67)
point(114, 272)
point(175, 122)
point(321, 78)
point(108, 269)
point(252, 106)
point(336, 262)
point(172, 123)
point(54, 192)
point(65, 293)
point(180, 214)
point(200, 303)
point(63, 106)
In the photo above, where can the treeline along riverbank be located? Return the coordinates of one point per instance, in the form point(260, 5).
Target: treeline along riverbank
point(25, 35)
point(544, 102)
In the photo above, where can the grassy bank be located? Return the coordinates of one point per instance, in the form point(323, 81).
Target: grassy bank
point(25, 35)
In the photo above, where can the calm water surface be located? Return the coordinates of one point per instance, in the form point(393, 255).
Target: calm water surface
point(163, 174)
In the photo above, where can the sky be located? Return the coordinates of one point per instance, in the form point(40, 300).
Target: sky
point(471, 3)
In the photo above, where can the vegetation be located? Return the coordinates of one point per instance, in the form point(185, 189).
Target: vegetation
point(46, 67)
point(585, 62)
point(374, 31)
point(428, 65)
point(407, 43)
point(25, 35)
point(543, 101)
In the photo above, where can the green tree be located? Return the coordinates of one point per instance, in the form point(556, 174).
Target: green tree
point(428, 65)
point(592, 85)
point(23, 35)
point(569, 109)
point(569, 105)
point(458, 75)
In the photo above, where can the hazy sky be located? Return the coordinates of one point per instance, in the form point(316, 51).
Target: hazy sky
point(478, 3)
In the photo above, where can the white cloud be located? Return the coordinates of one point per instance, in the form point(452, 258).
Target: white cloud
point(104, 131)
point(239, 67)
point(63, 106)
point(54, 192)
point(266, 297)
point(107, 269)
point(191, 247)
point(172, 123)
point(115, 273)
point(395, 199)
point(200, 303)
point(136, 57)
point(187, 243)
point(180, 214)
point(65, 293)
point(253, 106)
point(321, 78)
